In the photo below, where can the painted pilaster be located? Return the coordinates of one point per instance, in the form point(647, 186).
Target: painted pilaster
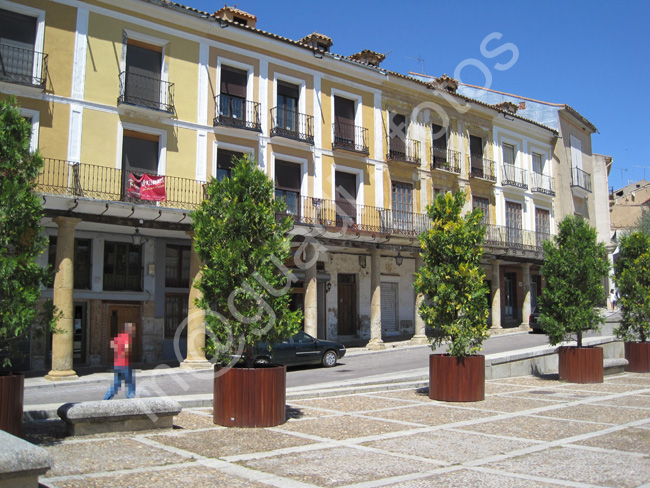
point(375, 301)
point(496, 295)
point(80, 51)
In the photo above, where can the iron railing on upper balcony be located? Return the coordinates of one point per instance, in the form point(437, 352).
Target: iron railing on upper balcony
point(482, 168)
point(145, 91)
point(61, 177)
point(350, 137)
point(22, 66)
point(237, 112)
point(514, 176)
point(292, 125)
point(445, 159)
point(542, 184)
point(407, 150)
point(345, 216)
point(581, 179)
point(513, 238)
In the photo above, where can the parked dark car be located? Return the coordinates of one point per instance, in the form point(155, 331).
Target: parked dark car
point(533, 320)
point(301, 349)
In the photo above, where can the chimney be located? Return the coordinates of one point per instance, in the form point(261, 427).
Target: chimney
point(317, 41)
point(447, 83)
point(233, 14)
point(507, 106)
point(369, 57)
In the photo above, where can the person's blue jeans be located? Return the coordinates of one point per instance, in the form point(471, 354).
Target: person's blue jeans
point(122, 373)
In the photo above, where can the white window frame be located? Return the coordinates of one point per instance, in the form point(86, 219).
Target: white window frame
point(229, 147)
point(154, 41)
point(231, 63)
point(359, 177)
point(162, 143)
point(358, 112)
point(302, 90)
point(304, 174)
point(35, 115)
point(576, 153)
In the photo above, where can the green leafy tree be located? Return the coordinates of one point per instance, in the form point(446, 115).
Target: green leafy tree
point(21, 240)
point(632, 276)
point(643, 224)
point(451, 278)
point(574, 269)
point(243, 245)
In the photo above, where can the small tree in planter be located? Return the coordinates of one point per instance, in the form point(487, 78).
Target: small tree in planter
point(574, 269)
point(632, 276)
point(243, 245)
point(20, 243)
point(454, 283)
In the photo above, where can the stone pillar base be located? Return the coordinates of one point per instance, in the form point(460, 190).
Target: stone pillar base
point(61, 375)
point(419, 340)
point(376, 345)
point(194, 364)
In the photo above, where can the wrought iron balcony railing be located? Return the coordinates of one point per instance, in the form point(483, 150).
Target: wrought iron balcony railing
point(61, 177)
point(512, 238)
point(581, 179)
point(542, 184)
point(22, 66)
point(144, 91)
point(514, 176)
point(344, 216)
point(237, 112)
point(293, 125)
point(350, 137)
point(482, 168)
point(405, 149)
point(445, 159)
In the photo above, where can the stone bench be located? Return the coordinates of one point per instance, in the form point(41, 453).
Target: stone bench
point(97, 417)
point(21, 463)
point(614, 365)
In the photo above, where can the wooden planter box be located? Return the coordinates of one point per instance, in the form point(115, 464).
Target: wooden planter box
point(580, 364)
point(638, 357)
point(250, 397)
point(454, 379)
point(11, 403)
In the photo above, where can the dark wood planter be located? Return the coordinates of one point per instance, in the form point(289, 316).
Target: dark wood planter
point(250, 397)
point(11, 403)
point(638, 357)
point(454, 379)
point(580, 364)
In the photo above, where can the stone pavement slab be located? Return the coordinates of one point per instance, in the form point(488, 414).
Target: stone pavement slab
point(529, 432)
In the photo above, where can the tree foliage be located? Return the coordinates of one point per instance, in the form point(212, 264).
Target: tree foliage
point(574, 269)
point(451, 278)
point(643, 223)
point(21, 240)
point(632, 277)
point(244, 246)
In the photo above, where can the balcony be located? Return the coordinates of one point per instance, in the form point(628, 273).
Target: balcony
point(67, 178)
point(350, 138)
point(23, 66)
point(237, 112)
point(514, 176)
point(543, 184)
point(511, 238)
point(146, 92)
point(580, 180)
point(482, 168)
point(292, 125)
point(445, 160)
point(343, 216)
point(406, 150)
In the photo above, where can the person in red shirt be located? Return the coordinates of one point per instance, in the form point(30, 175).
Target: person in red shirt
point(122, 347)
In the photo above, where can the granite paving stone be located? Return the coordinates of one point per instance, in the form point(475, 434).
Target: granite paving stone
point(353, 403)
point(640, 379)
point(432, 414)
point(631, 440)
point(418, 395)
point(637, 401)
point(606, 387)
point(503, 403)
point(581, 465)
point(465, 478)
point(598, 413)
point(530, 381)
point(558, 395)
point(190, 420)
point(343, 427)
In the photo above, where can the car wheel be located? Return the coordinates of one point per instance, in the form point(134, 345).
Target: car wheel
point(329, 359)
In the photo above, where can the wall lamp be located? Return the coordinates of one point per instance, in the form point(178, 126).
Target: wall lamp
point(362, 261)
point(399, 259)
point(137, 237)
point(328, 287)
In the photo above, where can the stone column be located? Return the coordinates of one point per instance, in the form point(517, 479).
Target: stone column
point(496, 294)
point(195, 318)
point(62, 339)
point(375, 300)
point(311, 293)
point(420, 336)
point(525, 312)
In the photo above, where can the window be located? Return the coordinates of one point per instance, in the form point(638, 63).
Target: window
point(82, 262)
point(439, 136)
point(542, 225)
point(344, 122)
point(509, 154)
point(140, 152)
point(484, 205)
point(225, 162)
point(287, 185)
point(287, 105)
point(576, 153)
point(538, 165)
point(476, 156)
point(143, 75)
point(232, 102)
point(177, 266)
point(122, 267)
point(17, 41)
point(346, 197)
point(514, 224)
point(397, 136)
point(175, 313)
point(402, 206)
point(240, 20)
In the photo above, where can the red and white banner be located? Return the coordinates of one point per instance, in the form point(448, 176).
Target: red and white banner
point(146, 187)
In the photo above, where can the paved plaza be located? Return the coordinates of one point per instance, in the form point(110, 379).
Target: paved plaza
point(529, 432)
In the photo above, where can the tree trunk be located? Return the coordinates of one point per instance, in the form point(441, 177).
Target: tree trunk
point(579, 338)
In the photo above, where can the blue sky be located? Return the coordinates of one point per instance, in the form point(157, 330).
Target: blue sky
point(591, 54)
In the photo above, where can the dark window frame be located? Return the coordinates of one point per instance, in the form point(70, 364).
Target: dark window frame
point(181, 271)
point(131, 280)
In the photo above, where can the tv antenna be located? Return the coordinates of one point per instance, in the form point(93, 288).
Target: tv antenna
point(419, 59)
point(644, 168)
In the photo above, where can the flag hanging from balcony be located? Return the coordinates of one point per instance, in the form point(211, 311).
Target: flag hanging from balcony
point(147, 187)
